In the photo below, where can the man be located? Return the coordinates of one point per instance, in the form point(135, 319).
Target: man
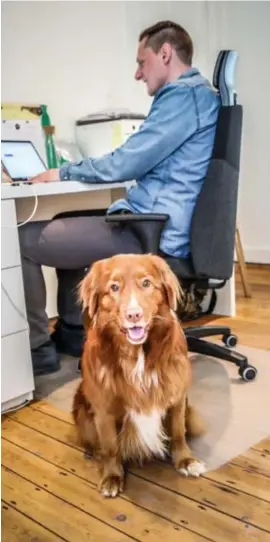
point(168, 157)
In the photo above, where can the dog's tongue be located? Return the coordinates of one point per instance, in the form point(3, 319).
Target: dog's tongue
point(136, 333)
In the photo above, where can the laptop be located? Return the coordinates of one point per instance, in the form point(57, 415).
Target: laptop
point(20, 160)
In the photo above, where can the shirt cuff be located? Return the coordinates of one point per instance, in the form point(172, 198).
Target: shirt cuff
point(64, 174)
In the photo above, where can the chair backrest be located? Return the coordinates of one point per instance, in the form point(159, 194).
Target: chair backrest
point(213, 224)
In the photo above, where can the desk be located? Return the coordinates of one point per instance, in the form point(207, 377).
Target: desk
point(67, 195)
point(17, 205)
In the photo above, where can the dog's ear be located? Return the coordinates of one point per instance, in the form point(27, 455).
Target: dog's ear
point(169, 281)
point(88, 290)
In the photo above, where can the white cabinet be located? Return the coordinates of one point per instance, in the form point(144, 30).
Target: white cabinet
point(10, 251)
point(17, 380)
point(16, 368)
point(13, 312)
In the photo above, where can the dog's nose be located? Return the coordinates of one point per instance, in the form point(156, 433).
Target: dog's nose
point(134, 315)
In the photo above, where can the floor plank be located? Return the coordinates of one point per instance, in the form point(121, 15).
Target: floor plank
point(16, 527)
point(263, 446)
point(254, 460)
point(46, 509)
point(246, 481)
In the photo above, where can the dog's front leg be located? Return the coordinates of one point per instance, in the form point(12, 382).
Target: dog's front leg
point(182, 457)
point(111, 470)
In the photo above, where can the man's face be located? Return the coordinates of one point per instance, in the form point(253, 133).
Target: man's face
point(152, 67)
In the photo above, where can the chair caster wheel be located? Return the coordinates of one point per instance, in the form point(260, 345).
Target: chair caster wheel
point(247, 373)
point(230, 340)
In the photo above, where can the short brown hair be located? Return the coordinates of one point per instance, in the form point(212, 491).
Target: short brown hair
point(169, 32)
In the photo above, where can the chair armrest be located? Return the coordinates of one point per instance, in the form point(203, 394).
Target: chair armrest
point(146, 227)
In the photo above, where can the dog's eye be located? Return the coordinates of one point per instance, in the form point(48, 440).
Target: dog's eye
point(115, 287)
point(146, 283)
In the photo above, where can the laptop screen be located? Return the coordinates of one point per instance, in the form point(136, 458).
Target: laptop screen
point(21, 160)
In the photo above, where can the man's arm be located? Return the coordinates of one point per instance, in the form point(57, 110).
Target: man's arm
point(171, 121)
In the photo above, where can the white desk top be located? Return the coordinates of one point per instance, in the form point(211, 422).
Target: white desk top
point(9, 191)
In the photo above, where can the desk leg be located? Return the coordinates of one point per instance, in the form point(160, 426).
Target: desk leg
point(226, 305)
point(51, 290)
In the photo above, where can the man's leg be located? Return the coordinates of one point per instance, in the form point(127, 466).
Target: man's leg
point(70, 244)
point(69, 333)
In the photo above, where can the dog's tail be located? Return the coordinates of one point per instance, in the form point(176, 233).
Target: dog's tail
point(195, 425)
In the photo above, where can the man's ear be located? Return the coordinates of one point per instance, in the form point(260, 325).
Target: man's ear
point(169, 281)
point(166, 52)
point(88, 290)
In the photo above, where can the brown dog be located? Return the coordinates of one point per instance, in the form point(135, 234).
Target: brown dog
point(132, 401)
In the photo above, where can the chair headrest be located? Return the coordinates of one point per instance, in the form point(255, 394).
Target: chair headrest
point(224, 76)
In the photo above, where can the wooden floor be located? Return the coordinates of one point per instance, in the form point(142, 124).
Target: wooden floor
point(49, 488)
point(49, 492)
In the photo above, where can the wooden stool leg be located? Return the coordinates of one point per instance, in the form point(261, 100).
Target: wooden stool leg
point(242, 264)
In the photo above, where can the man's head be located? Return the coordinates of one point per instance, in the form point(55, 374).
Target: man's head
point(165, 51)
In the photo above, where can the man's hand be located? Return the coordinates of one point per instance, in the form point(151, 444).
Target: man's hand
point(51, 175)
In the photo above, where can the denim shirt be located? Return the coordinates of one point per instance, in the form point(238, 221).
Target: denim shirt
point(168, 158)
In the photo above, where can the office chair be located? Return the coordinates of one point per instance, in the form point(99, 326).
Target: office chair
point(212, 233)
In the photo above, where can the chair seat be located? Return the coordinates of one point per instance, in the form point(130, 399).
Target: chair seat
point(182, 267)
point(184, 270)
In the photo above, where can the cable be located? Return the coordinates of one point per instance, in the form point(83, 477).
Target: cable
point(20, 313)
point(32, 213)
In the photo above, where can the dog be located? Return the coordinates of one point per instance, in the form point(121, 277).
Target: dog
point(131, 404)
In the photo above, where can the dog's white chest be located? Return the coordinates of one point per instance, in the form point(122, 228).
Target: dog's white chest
point(150, 431)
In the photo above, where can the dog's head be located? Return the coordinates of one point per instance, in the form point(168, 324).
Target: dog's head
point(127, 294)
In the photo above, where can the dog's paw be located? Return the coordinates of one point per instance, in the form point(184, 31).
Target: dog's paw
point(191, 467)
point(112, 486)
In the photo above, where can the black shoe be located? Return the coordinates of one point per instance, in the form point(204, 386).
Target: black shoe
point(45, 359)
point(68, 339)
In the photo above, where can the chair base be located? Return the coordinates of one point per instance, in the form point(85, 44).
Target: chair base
point(228, 338)
point(197, 345)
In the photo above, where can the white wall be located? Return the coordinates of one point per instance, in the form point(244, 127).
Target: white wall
point(77, 63)
point(69, 58)
point(248, 31)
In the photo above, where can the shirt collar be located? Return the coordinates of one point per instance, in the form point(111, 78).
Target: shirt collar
point(189, 72)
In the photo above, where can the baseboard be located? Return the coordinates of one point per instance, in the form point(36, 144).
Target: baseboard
point(257, 255)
